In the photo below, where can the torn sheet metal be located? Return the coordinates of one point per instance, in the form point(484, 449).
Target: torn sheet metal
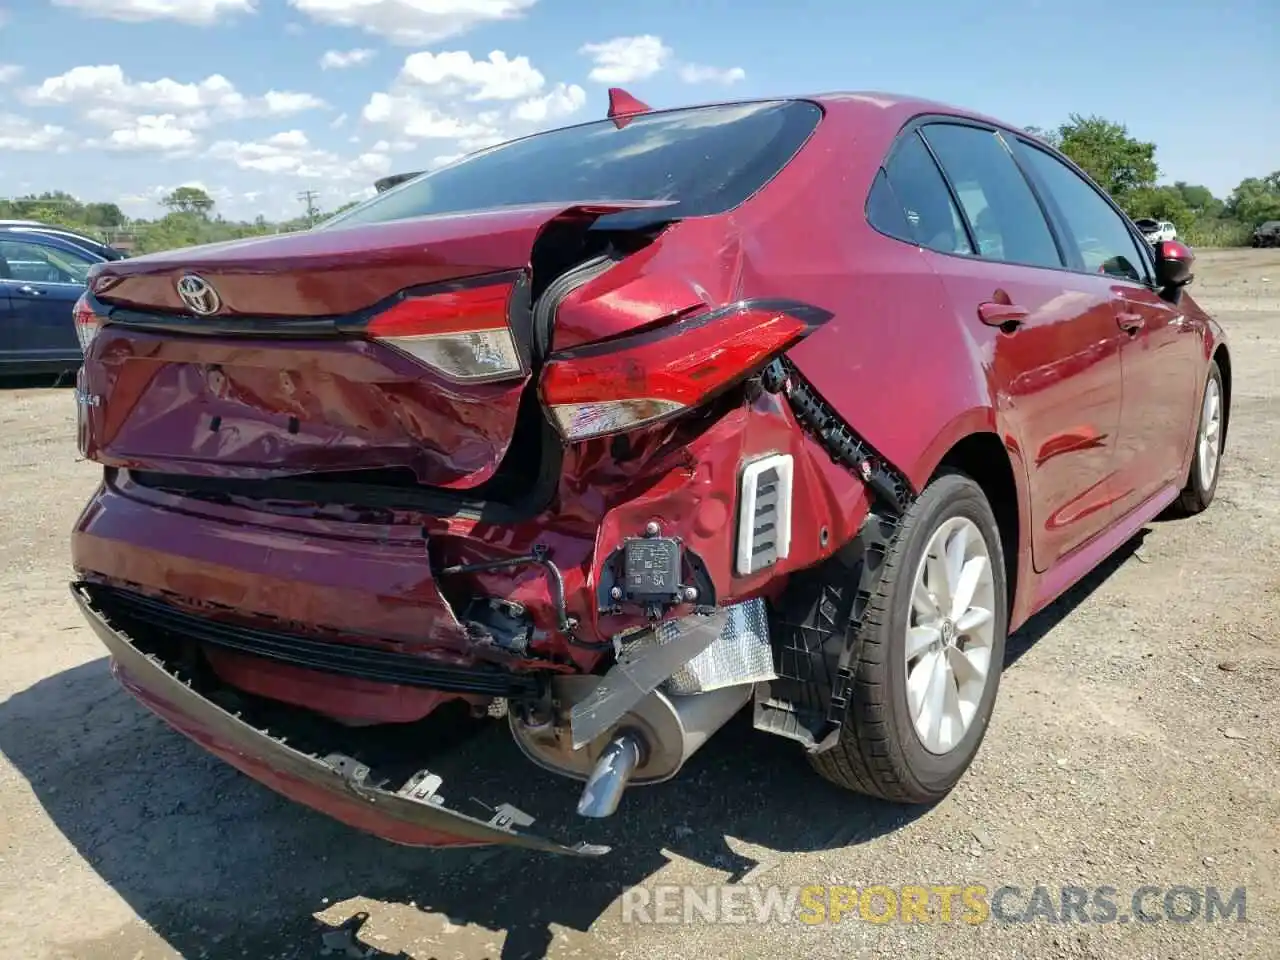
point(741, 654)
point(641, 669)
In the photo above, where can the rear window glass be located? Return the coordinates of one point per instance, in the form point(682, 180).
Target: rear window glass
point(707, 160)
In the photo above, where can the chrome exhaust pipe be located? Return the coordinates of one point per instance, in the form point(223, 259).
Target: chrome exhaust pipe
point(611, 774)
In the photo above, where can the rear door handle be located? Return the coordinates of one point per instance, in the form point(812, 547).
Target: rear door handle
point(1130, 323)
point(1002, 314)
point(30, 291)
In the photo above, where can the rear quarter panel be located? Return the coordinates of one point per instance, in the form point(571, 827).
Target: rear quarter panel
point(892, 360)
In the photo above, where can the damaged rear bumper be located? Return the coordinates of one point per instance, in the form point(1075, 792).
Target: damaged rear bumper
point(336, 785)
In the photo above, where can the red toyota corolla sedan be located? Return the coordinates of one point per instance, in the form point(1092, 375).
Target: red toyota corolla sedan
point(611, 431)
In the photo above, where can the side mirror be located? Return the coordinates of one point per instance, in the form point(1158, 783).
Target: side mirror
point(1173, 264)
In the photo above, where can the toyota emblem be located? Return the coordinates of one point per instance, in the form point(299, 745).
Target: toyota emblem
point(198, 295)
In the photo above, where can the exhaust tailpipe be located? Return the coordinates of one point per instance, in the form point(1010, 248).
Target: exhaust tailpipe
point(611, 774)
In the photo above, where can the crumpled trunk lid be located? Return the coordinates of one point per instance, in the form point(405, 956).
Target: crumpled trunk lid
point(280, 381)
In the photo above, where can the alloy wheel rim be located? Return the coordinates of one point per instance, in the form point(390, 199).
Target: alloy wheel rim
point(1210, 433)
point(950, 635)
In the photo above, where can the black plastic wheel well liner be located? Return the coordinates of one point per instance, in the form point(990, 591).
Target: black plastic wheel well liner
point(1222, 357)
point(983, 458)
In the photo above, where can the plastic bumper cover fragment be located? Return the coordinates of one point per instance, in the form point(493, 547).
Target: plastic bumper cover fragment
point(336, 785)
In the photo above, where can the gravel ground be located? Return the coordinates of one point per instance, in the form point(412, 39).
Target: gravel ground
point(1136, 741)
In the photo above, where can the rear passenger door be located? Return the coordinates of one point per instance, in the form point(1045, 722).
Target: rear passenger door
point(1055, 363)
point(41, 279)
point(1161, 353)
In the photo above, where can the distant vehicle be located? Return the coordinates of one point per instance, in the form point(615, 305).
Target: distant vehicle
point(1267, 235)
point(72, 236)
point(42, 274)
point(1156, 230)
point(386, 183)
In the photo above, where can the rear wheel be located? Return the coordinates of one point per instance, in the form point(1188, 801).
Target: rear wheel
point(1206, 457)
point(928, 653)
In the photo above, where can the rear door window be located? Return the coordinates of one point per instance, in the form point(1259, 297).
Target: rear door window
point(910, 201)
point(706, 160)
point(1097, 230)
point(38, 263)
point(1006, 218)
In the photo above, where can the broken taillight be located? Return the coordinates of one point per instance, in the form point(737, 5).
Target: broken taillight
point(462, 333)
point(87, 322)
point(629, 382)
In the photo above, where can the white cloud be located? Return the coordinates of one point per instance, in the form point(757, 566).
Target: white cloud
point(269, 157)
point(338, 122)
point(419, 119)
point(411, 21)
point(496, 78)
point(375, 164)
point(438, 96)
point(19, 133)
point(341, 59)
point(107, 85)
point(277, 103)
point(698, 73)
point(624, 59)
point(149, 132)
point(291, 152)
point(444, 160)
point(289, 138)
point(195, 12)
point(9, 72)
point(108, 98)
point(561, 101)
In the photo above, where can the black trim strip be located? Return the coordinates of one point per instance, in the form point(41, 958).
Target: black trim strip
point(138, 614)
point(889, 485)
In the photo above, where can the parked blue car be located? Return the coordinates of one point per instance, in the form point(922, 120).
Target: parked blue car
point(41, 277)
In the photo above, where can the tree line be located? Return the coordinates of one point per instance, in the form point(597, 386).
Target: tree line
point(1126, 168)
point(191, 219)
point(1121, 164)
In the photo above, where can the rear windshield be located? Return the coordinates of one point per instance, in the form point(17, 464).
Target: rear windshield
point(708, 160)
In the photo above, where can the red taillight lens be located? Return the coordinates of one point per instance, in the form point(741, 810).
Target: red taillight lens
point(87, 322)
point(625, 384)
point(461, 333)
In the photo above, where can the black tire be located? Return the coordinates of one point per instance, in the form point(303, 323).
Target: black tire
point(1199, 490)
point(878, 752)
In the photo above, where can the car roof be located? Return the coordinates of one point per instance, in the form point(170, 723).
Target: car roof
point(63, 240)
point(15, 226)
point(64, 233)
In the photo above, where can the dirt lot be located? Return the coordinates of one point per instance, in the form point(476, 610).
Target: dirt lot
point(1136, 741)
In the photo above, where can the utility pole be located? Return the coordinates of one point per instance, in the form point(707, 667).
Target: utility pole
point(309, 198)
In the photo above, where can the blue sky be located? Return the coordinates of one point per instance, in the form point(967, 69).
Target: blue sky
point(125, 99)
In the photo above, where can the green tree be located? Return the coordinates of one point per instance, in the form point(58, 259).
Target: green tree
point(1048, 136)
point(1256, 200)
point(1161, 203)
point(1102, 148)
point(1200, 201)
point(189, 200)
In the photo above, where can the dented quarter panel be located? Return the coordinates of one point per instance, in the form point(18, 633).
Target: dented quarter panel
point(693, 264)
